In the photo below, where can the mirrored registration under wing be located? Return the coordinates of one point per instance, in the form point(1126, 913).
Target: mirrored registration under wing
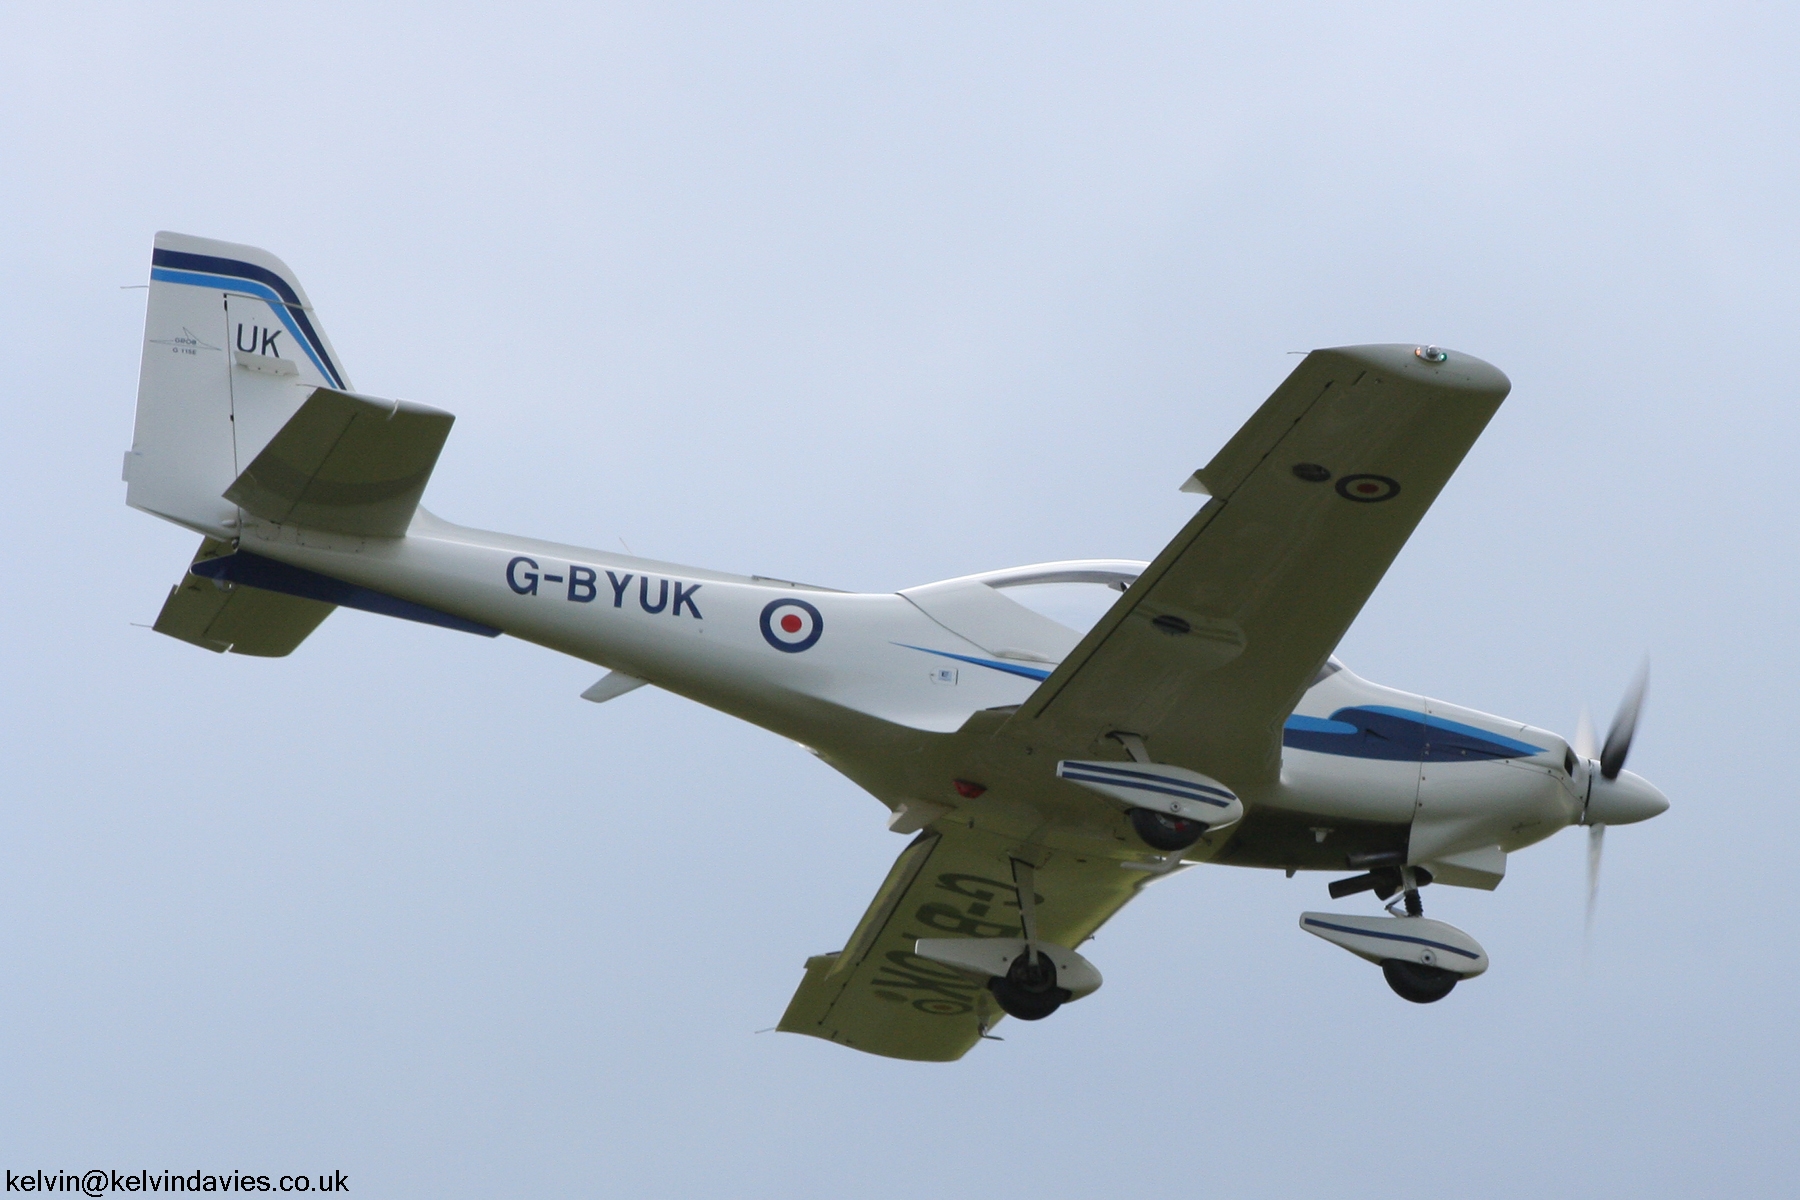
point(877, 995)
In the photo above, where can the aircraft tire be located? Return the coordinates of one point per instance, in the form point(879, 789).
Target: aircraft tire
point(1417, 982)
point(1027, 992)
point(1160, 831)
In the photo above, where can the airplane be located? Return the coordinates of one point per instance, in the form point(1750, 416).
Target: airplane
point(1045, 776)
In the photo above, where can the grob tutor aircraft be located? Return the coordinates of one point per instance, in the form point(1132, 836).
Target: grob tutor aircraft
point(1048, 775)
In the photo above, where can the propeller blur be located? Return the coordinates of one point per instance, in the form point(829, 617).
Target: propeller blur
point(1615, 795)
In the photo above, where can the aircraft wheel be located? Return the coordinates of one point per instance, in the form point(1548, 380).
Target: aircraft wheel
point(1161, 831)
point(1417, 982)
point(1028, 992)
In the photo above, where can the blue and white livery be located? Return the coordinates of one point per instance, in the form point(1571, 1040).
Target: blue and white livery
point(1043, 775)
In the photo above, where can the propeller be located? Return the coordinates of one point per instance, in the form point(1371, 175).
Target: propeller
point(1612, 761)
point(1596, 844)
point(1618, 738)
point(1587, 751)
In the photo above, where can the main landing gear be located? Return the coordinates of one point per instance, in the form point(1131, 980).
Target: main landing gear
point(1164, 831)
point(1422, 960)
point(1029, 978)
point(1169, 808)
point(1028, 990)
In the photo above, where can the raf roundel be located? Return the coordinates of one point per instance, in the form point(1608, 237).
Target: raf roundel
point(1367, 489)
point(791, 625)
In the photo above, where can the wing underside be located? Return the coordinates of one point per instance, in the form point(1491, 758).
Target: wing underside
point(1208, 652)
point(876, 995)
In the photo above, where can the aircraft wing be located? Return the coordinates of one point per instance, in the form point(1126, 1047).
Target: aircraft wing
point(877, 995)
point(1210, 650)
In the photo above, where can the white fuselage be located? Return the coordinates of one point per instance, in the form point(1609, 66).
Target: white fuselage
point(871, 681)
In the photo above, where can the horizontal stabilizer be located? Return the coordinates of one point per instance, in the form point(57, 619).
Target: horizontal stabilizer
point(345, 463)
point(218, 616)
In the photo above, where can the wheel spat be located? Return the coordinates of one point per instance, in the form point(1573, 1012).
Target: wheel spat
point(1417, 982)
point(1028, 990)
point(1164, 831)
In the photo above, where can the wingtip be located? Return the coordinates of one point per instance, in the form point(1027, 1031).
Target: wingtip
point(1426, 363)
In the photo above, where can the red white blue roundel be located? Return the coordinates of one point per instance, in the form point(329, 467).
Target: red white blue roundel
point(791, 625)
point(1368, 489)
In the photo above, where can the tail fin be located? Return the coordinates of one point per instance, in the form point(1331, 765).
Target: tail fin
point(231, 350)
point(243, 412)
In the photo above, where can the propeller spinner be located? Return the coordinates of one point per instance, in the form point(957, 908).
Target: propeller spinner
point(1615, 795)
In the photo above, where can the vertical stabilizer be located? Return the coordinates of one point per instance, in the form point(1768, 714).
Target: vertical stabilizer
point(231, 350)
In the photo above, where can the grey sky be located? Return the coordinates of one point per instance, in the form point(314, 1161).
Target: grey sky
point(868, 296)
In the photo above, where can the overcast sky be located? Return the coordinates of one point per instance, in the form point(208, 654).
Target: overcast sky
point(868, 296)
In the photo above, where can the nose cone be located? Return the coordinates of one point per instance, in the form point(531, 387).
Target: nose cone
point(1624, 800)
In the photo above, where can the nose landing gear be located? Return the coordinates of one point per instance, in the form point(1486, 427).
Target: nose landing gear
point(1411, 880)
point(1418, 982)
point(1421, 959)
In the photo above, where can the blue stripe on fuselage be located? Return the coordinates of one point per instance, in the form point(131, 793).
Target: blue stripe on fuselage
point(1010, 668)
point(1399, 735)
point(272, 575)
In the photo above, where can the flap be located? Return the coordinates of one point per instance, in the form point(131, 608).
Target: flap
point(345, 463)
point(244, 620)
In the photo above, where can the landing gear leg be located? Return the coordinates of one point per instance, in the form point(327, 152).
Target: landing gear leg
point(1415, 906)
point(1417, 982)
point(1028, 990)
point(1411, 880)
